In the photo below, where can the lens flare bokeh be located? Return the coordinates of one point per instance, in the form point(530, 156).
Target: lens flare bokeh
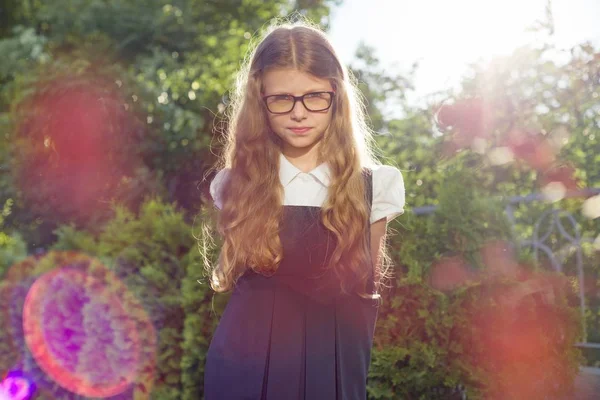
point(81, 325)
point(78, 146)
point(16, 386)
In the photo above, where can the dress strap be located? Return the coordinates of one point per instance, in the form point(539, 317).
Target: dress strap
point(368, 176)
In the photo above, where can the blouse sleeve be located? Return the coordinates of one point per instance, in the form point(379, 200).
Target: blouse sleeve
point(388, 193)
point(215, 188)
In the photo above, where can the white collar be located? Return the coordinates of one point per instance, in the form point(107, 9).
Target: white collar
point(288, 171)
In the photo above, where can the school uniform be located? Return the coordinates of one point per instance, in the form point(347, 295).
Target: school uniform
point(294, 335)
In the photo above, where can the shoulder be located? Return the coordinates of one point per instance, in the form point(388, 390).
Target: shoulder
point(215, 186)
point(386, 173)
point(388, 193)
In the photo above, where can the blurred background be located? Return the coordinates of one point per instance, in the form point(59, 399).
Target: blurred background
point(111, 114)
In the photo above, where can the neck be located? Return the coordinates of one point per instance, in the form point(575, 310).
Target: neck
point(305, 159)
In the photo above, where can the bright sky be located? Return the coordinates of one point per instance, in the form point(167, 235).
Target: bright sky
point(446, 35)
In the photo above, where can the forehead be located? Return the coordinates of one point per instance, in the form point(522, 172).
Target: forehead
point(293, 81)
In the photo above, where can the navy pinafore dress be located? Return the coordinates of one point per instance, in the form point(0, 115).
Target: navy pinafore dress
point(294, 335)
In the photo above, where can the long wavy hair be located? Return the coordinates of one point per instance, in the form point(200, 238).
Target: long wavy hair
point(252, 206)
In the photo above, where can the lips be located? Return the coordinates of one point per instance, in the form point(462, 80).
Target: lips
point(299, 130)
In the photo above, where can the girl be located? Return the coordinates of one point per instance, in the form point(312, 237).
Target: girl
point(303, 212)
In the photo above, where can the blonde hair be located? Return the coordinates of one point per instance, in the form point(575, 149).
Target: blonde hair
point(250, 229)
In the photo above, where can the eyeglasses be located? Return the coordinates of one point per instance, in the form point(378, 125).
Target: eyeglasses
point(284, 103)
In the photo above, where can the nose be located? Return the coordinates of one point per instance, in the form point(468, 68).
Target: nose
point(299, 111)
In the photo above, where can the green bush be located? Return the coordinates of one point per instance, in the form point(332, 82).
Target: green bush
point(466, 219)
point(514, 338)
point(410, 354)
point(504, 331)
point(12, 246)
point(429, 344)
point(155, 255)
point(494, 339)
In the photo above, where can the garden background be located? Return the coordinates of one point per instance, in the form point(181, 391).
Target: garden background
point(110, 118)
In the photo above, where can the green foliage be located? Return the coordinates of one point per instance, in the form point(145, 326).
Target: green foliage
point(154, 253)
point(433, 345)
point(410, 358)
point(172, 64)
point(12, 250)
point(496, 338)
point(201, 320)
point(12, 246)
point(85, 310)
point(515, 338)
point(466, 218)
point(379, 87)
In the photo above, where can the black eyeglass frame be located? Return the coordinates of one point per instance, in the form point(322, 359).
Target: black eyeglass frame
point(300, 98)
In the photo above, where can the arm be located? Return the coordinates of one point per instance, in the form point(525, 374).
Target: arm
point(378, 229)
point(388, 203)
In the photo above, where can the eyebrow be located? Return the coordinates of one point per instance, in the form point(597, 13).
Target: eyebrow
point(308, 91)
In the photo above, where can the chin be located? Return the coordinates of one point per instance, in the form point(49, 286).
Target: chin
point(299, 141)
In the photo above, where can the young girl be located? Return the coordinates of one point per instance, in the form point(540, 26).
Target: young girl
point(303, 208)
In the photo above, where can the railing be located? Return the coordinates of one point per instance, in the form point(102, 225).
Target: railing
point(553, 220)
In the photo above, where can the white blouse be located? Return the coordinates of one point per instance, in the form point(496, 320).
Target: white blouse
point(310, 189)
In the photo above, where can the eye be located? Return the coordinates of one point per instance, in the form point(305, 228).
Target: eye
point(317, 94)
point(281, 97)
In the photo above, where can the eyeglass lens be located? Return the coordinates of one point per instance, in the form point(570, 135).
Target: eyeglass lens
point(312, 101)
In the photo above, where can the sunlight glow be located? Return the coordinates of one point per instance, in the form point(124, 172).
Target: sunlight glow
point(444, 37)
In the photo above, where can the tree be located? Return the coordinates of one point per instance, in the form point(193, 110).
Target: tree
point(171, 66)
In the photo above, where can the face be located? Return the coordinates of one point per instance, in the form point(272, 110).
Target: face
point(297, 144)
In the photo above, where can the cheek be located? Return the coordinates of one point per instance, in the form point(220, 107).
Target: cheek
point(326, 120)
point(274, 123)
